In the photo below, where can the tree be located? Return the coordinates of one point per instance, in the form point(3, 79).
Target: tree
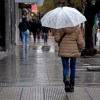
point(92, 7)
point(48, 5)
point(90, 15)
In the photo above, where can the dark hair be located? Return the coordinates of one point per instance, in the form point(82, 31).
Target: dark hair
point(24, 19)
point(99, 24)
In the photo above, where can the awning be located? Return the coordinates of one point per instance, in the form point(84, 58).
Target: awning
point(39, 2)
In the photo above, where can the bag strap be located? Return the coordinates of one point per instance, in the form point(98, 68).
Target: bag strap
point(61, 39)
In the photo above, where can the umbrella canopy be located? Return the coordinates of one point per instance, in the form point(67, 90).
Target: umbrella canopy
point(62, 17)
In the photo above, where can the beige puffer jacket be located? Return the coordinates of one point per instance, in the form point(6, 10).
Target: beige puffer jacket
point(71, 43)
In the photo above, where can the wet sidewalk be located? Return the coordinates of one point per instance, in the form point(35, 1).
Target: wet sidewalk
point(35, 73)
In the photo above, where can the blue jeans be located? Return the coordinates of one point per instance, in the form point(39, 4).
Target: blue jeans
point(45, 37)
point(25, 37)
point(38, 37)
point(69, 63)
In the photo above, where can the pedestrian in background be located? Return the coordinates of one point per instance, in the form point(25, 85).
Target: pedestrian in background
point(38, 30)
point(23, 26)
point(30, 26)
point(70, 42)
point(34, 28)
point(20, 30)
point(45, 33)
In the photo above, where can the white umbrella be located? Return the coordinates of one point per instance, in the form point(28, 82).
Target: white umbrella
point(62, 17)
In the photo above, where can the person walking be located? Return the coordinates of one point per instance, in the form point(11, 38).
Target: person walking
point(20, 30)
point(70, 41)
point(38, 30)
point(23, 26)
point(45, 33)
point(34, 28)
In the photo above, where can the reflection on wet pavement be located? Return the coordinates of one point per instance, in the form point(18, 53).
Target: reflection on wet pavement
point(40, 65)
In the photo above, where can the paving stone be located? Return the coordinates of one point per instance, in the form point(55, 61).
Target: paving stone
point(55, 93)
point(79, 94)
point(32, 93)
point(48, 93)
point(10, 93)
point(94, 93)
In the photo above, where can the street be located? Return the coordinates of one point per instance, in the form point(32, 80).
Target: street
point(38, 68)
